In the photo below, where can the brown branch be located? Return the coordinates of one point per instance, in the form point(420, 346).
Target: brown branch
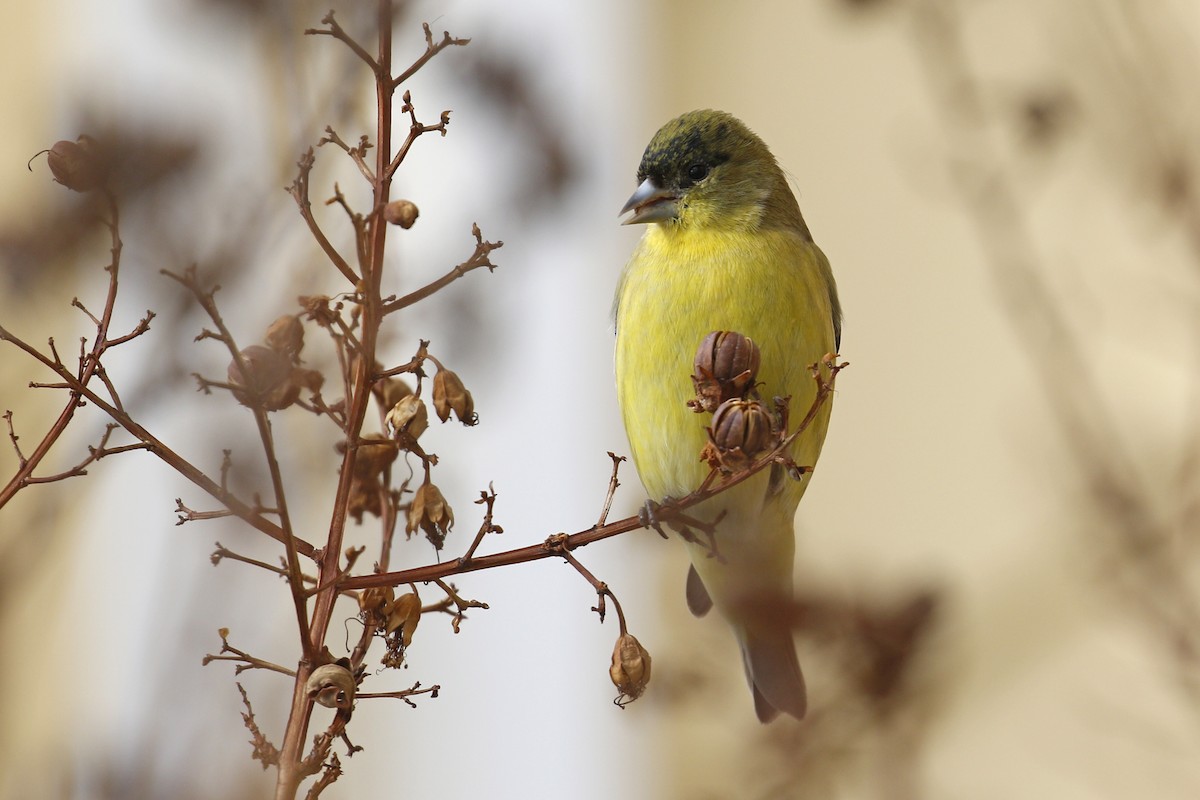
point(555, 546)
point(142, 327)
point(207, 301)
point(458, 601)
point(361, 378)
point(162, 451)
point(613, 483)
point(246, 661)
point(264, 751)
point(480, 258)
point(222, 552)
point(356, 221)
point(487, 499)
point(99, 344)
point(352, 554)
point(414, 364)
point(601, 588)
point(12, 437)
point(415, 131)
point(336, 31)
point(431, 50)
point(331, 772)
point(403, 694)
point(357, 154)
point(94, 454)
point(299, 192)
point(102, 374)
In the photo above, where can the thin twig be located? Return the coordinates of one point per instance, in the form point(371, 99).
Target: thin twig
point(403, 694)
point(431, 50)
point(480, 258)
point(601, 588)
point(207, 301)
point(244, 659)
point(555, 545)
point(335, 30)
point(487, 499)
point(358, 154)
point(299, 192)
point(613, 483)
point(99, 345)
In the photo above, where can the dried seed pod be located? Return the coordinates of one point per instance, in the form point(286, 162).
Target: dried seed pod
point(286, 335)
point(741, 430)
point(374, 454)
point(77, 165)
point(268, 378)
point(449, 394)
point(409, 416)
point(726, 365)
point(320, 309)
point(401, 212)
point(404, 615)
point(332, 686)
point(309, 379)
point(431, 513)
point(630, 670)
point(377, 598)
point(394, 390)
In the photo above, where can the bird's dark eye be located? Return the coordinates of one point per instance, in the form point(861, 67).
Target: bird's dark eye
point(697, 172)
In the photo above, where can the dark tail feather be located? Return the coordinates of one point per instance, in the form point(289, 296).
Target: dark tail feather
point(773, 672)
point(698, 600)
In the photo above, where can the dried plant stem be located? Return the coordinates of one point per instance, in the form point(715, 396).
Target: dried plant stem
point(559, 544)
point(88, 368)
point(290, 768)
point(154, 445)
point(266, 436)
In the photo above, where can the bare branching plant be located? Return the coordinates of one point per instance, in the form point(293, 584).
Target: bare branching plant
point(380, 411)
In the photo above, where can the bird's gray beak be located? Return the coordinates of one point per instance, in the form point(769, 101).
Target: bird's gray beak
point(651, 204)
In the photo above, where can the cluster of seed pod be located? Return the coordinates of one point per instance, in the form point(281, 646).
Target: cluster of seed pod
point(273, 376)
point(406, 421)
point(726, 366)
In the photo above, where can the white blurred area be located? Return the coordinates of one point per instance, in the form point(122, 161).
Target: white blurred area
point(1048, 671)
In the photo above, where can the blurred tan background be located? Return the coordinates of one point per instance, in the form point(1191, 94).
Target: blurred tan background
point(997, 561)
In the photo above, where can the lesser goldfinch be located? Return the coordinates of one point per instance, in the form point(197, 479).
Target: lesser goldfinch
point(727, 250)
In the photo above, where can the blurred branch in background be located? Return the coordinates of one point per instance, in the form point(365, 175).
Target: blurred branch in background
point(1152, 535)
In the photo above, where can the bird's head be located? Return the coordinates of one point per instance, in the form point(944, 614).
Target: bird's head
point(707, 169)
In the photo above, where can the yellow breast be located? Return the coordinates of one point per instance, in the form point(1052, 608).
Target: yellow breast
point(680, 285)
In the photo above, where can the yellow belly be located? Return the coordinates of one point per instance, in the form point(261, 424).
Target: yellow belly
point(679, 286)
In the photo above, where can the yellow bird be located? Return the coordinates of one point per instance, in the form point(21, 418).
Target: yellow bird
point(727, 250)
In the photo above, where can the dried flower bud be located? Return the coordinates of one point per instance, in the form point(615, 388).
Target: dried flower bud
point(741, 429)
point(401, 212)
point(404, 615)
point(409, 416)
point(374, 454)
point(449, 394)
point(268, 379)
point(431, 513)
point(377, 598)
point(332, 686)
point(394, 390)
point(630, 670)
point(318, 308)
point(310, 379)
point(726, 365)
point(286, 335)
point(78, 165)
